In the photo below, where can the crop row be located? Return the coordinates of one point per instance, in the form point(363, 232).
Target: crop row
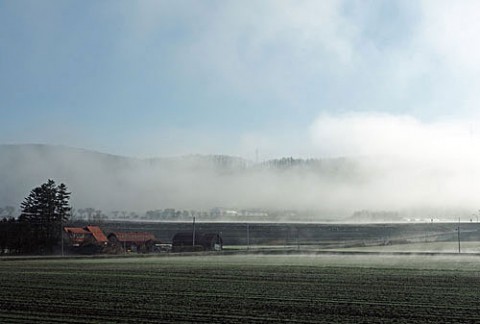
point(122, 291)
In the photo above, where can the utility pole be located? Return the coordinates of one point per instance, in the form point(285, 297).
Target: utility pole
point(248, 236)
point(287, 237)
point(61, 235)
point(458, 232)
point(125, 233)
point(296, 238)
point(193, 237)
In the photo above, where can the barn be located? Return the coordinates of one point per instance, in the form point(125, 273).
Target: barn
point(133, 241)
point(79, 236)
point(183, 242)
point(86, 240)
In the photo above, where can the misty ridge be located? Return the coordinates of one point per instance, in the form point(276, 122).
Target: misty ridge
point(333, 188)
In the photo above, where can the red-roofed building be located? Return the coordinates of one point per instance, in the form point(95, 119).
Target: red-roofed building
point(133, 241)
point(97, 234)
point(87, 235)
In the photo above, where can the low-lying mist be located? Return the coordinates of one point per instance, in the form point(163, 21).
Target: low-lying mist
point(407, 163)
point(397, 164)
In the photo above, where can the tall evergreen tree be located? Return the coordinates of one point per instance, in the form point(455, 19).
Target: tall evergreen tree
point(63, 205)
point(45, 209)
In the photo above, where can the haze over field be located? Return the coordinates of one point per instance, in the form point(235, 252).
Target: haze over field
point(382, 95)
point(331, 186)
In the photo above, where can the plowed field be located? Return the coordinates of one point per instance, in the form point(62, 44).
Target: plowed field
point(234, 289)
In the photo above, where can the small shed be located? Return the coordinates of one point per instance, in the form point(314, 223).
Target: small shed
point(183, 242)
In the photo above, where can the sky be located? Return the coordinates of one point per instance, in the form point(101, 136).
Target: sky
point(286, 78)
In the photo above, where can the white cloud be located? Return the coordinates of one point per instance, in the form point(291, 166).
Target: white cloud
point(451, 28)
point(312, 53)
point(395, 135)
point(263, 46)
point(411, 162)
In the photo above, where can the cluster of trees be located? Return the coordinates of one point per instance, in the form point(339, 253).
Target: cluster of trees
point(40, 225)
point(324, 167)
point(170, 214)
point(90, 214)
point(376, 216)
point(7, 211)
point(13, 236)
point(97, 216)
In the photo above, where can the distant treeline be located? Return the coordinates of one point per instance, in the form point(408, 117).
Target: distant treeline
point(93, 215)
point(225, 163)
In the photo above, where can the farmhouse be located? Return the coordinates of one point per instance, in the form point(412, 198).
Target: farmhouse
point(133, 241)
point(80, 236)
point(183, 242)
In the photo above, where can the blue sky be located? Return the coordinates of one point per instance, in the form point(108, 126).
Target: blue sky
point(163, 78)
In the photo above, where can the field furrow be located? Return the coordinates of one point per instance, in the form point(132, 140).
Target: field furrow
point(219, 289)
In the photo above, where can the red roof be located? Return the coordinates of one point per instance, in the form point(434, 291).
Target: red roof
point(97, 233)
point(75, 230)
point(137, 237)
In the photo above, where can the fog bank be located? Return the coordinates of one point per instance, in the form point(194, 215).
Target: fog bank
point(339, 185)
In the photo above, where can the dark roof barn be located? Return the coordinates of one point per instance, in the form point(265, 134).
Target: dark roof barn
point(206, 241)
